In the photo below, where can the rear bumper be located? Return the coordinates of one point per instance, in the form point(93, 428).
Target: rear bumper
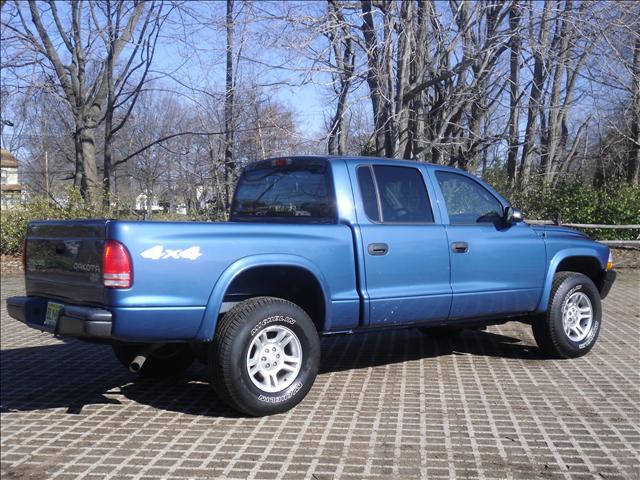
point(73, 321)
point(609, 278)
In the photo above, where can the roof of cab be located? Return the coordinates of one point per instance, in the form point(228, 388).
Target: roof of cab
point(380, 160)
point(348, 158)
point(351, 159)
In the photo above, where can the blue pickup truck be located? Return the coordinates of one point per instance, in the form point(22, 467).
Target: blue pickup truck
point(314, 246)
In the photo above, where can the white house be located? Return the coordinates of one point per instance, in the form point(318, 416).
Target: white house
point(9, 184)
point(142, 203)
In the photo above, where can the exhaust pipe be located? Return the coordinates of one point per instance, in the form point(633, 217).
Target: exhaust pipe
point(137, 363)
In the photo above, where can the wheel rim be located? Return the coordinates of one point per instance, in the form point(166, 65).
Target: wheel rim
point(577, 316)
point(274, 358)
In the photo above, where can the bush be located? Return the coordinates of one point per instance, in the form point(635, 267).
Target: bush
point(13, 223)
point(575, 201)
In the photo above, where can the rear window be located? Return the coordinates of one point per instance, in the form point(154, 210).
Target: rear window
point(285, 190)
point(400, 196)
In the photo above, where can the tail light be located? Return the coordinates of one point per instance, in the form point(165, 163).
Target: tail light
point(24, 255)
point(116, 266)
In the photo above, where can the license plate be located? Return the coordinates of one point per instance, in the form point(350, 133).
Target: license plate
point(53, 313)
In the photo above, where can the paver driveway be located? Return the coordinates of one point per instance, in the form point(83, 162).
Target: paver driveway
point(386, 405)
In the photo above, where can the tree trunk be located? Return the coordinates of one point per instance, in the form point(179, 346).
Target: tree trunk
point(539, 77)
point(417, 109)
point(108, 135)
point(386, 74)
point(79, 162)
point(552, 135)
point(406, 45)
point(345, 63)
point(229, 166)
point(633, 163)
point(106, 174)
point(90, 172)
point(373, 76)
point(337, 141)
point(514, 91)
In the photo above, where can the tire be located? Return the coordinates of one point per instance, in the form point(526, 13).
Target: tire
point(251, 380)
point(165, 361)
point(441, 333)
point(573, 320)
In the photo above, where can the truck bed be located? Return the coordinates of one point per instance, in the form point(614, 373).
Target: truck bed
point(176, 266)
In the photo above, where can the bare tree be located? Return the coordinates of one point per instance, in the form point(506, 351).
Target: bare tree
point(540, 70)
point(81, 73)
point(339, 34)
point(124, 89)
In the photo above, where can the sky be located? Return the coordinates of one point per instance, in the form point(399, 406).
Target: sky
point(199, 59)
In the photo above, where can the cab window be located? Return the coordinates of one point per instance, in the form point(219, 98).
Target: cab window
point(467, 201)
point(394, 194)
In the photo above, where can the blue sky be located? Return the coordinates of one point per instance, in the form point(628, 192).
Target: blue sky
point(199, 59)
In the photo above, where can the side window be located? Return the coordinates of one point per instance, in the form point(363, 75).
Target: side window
point(467, 201)
point(368, 192)
point(400, 192)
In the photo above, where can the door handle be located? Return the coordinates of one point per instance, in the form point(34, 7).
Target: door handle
point(459, 247)
point(378, 249)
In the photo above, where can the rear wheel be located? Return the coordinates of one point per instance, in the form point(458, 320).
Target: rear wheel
point(265, 356)
point(572, 323)
point(161, 361)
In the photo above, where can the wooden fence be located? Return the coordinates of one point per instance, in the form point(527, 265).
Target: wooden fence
point(592, 226)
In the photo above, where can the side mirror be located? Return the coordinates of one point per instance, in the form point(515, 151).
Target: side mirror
point(512, 215)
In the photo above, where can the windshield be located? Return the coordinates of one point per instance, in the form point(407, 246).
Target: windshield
point(293, 191)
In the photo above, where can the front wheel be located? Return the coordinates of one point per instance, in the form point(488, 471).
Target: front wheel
point(265, 356)
point(572, 323)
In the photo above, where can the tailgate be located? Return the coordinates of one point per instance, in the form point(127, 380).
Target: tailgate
point(64, 260)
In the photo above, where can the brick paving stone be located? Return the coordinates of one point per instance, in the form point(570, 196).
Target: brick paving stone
point(386, 405)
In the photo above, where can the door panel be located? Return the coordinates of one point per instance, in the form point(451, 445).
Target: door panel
point(411, 281)
point(501, 272)
point(405, 252)
point(495, 268)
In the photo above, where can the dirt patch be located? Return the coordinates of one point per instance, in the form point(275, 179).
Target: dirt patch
point(9, 264)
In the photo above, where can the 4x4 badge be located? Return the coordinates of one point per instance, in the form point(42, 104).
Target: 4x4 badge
point(159, 253)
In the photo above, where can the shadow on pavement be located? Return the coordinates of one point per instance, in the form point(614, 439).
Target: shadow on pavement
point(75, 374)
point(394, 346)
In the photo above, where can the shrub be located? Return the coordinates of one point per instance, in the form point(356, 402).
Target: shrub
point(575, 201)
point(13, 223)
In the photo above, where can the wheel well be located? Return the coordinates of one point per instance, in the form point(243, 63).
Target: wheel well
point(588, 266)
point(295, 284)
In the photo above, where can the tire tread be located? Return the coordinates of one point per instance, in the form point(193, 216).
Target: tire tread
point(546, 336)
point(221, 359)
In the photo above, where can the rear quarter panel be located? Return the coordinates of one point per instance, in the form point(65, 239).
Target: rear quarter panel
point(174, 297)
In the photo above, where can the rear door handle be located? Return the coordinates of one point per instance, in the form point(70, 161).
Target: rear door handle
point(459, 247)
point(378, 249)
